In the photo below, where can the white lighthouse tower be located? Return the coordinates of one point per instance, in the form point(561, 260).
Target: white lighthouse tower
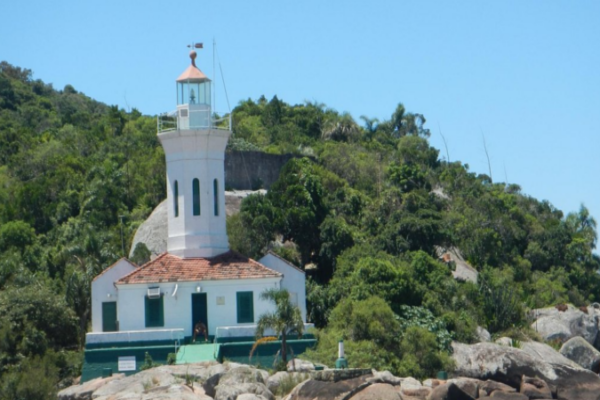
point(195, 152)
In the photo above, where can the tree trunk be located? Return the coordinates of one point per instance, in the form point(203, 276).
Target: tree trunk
point(283, 347)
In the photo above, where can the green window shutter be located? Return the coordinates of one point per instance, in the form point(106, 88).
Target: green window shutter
point(160, 320)
point(196, 196)
point(109, 316)
point(176, 199)
point(245, 307)
point(155, 314)
point(216, 193)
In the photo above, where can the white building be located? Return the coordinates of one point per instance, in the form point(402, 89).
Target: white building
point(198, 279)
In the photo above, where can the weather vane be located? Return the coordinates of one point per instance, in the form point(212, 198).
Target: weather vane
point(193, 52)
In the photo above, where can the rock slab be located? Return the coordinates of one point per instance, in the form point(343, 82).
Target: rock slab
point(508, 365)
point(578, 350)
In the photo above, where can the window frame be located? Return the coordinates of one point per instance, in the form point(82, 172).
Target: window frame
point(151, 320)
point(245, 307)
point(196, 206)
point(216, 196)
point(175, 199)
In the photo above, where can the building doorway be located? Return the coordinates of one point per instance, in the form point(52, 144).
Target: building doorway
point(199, 312)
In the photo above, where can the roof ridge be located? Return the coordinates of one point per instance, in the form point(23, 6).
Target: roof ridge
point(230, 265)
point(291, 264)
point(143, 267)
point(114, 264)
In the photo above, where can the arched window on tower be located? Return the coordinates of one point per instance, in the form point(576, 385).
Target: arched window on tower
point(176, 199)
point(216, 191)
point(196, 195)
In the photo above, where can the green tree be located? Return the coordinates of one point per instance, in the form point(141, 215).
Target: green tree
point(34, 379)
point(299, 197)
point(285, 320)
point(420, 355)
point(370, 332)
point(257, 224)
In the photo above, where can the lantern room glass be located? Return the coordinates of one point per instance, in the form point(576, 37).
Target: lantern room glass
point(193, 92)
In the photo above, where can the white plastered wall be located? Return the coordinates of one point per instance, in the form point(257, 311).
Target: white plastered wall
point(190, 154)
point(294, 279)
point(178, 308)
point(103, 289)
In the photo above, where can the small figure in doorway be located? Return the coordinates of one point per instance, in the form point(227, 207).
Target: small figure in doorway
point(200, 329)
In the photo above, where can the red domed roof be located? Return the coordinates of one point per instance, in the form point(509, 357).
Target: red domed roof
point(192, 73)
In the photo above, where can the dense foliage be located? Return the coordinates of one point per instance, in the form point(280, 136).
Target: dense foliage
point(74, 174)
point(370, 211)
point(366, 214)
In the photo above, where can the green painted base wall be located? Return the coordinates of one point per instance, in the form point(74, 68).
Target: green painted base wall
point(264, 355)
point(96, 360)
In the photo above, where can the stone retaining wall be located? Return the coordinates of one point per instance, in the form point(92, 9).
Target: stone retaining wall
point(253, 170)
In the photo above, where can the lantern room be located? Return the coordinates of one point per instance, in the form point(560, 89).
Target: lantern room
point(193, 97)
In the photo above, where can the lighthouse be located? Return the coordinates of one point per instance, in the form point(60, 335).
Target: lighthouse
point(195, 151)
point(198, 283)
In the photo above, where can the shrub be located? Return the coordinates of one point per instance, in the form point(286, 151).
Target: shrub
point(371, 319)
point(421, 357)
point(423, 318)
point(148, 363)
point(34, 379)
point(289, 382)
point(501, 306)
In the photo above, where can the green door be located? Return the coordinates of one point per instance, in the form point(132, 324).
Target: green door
point(199, 310)
point(109, 316)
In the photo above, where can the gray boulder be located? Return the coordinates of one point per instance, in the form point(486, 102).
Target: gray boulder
point(483, 335)
point(232, 391)
point(153, 231)
point(504, 341)
point(250, 396)
point(449, 391)
point(85, 390)
point(275, 381)
point(410, 383)
point(421, 393)
point(508, 365)
point(210, 384)
point(226, 381)
point(547, 353)
point(379, 391)
point(329, 389)
point(173, 392)
point(299, 365)
point(385, 377)
point(242, 374)
point(136, 384)
point(468, 385)
point(505, 396)
point(578, 350)
point(462, 270)
point(553, 324)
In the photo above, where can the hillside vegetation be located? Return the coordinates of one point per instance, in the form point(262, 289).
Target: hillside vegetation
point(368, 212)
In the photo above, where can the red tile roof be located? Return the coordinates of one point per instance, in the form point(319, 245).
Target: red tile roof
point(170, 268)
point(192, 74)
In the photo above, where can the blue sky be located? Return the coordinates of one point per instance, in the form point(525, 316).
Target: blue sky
point(524, 74)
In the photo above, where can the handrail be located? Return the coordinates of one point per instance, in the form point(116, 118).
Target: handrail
point(196, 119)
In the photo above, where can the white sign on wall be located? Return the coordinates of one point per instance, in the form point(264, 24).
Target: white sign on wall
point(220, 300)
point(127, 363)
